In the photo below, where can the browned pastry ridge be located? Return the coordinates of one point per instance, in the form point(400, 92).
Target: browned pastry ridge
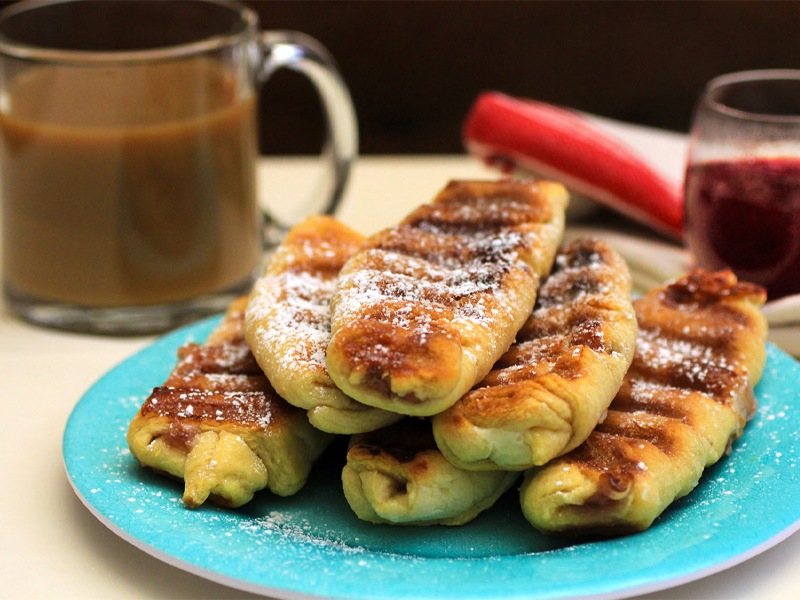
point(397, 475)
point(547, 393)
point(287, 325)
point(423, 311)
point(687, 396)
point(217, 424)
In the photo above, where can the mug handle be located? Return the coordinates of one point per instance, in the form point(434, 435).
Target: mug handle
point(304, 54)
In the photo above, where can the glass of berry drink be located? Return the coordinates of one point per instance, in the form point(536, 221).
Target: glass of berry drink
point(742, 186)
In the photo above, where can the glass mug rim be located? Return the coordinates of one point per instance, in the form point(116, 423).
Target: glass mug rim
point(730, 80)
point(247, 28)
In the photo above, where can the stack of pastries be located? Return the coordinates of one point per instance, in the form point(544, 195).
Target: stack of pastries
point(464, 349)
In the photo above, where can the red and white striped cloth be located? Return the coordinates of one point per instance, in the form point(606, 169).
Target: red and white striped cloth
point(570, 147)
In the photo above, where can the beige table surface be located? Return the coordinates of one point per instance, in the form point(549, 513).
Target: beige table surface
point(52, 547)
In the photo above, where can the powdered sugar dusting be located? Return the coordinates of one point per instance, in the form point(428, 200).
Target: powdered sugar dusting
point(453, 282)
point(228, 355)
point(292, 311)
point(586, 274)
point(247, 408)
point(667, 350)
point(645, 391)
point(288, 313)
point(289, 529)
point(583, 272)
point(415, 293)
point(699, 364)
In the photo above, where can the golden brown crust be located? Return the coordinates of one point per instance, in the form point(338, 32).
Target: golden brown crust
point(231, 329)
point(396, 475)
point(686, 397)
point(287, 325)
point(257, 410)
point(546, 394)
point(424, 309)
point(218, 424)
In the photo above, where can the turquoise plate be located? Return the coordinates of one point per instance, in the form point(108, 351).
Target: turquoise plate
point(313, 545)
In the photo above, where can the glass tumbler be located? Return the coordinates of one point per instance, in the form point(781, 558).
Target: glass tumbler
point(742, 185)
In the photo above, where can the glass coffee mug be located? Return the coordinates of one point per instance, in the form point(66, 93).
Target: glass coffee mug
point(742, 186)
point(129, 145)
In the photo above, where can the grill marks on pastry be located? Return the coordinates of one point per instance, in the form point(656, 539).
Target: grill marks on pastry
point(292, 300)
point(218, 424)
point(449, 252)
point(667, 359)
point(478, 205)
point(421, 295)
point(687, 396)
point(570, 311)
point(217, 367)
point(442, 293)
point(233, 358)
point(698, 347)
point(696, 342)
point(640, 427)
point(248, 408)
point(219, 382)
point(547, 392)
point(702, 334)
point(288, 325)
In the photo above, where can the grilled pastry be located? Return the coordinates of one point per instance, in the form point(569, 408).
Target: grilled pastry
point(218, 424)
point(397, 475)
point(686, 397)
point(287, 325)
point(547, 393)
point(424, 309)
